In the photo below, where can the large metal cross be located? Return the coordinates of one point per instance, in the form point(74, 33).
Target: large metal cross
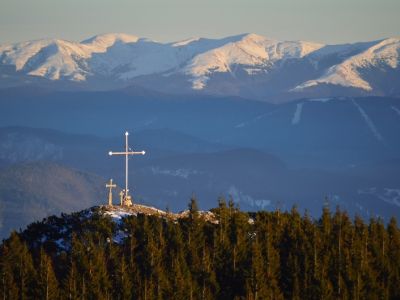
point(127, 152)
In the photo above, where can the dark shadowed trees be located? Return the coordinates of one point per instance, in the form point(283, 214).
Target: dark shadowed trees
point(229, 254)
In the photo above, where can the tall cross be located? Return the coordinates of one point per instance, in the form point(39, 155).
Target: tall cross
point(127, 152)
point(110, 185)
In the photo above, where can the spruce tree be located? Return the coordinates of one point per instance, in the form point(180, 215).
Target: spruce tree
point(20, 272)
point(393, 252)
point(47, 281)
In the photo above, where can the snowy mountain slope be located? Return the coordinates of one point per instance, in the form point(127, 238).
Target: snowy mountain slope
point(382, 54)
point(253, 51)
point(246, 65)
point(58, 59)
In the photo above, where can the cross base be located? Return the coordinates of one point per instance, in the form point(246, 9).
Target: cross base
point(127, 201)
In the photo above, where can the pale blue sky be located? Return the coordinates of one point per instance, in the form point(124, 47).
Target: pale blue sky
point(327, 21)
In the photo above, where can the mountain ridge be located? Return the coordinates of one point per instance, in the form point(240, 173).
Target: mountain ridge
point(247, 65)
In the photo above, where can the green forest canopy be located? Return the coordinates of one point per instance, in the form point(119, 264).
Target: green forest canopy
point(262, 255)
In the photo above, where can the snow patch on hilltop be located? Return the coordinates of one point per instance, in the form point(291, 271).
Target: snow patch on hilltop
point(323, 100)
point(183, 173)
point(396, 110)
point(239, 197)
point(389, 195)
point(297, 114)
point(368, 121)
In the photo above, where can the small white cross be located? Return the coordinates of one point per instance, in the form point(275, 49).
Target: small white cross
point(110, 185)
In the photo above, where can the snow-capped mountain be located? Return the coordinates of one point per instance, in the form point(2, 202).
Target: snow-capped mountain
point(59, 59)
point(382, 54)
point(253, 53)
point(247, 65)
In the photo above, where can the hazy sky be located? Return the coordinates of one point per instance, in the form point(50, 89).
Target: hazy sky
point(328, 21)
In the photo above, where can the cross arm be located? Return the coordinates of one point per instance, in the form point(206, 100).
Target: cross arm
point(127, 153)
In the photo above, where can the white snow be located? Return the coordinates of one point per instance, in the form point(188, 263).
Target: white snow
point(369, 122)
point(249, 50)
point(61, 244)
point(119, 237)
point(123, 57)
point(118, 214)
point(185, 42)
point(323, 100)
point(254, 120)
point(103, 41)
point(127, 56)
point(396, 110)
point(183, 173)
point(343, 74)
point(379, 54)
point(238, 197)
point(56, 59)
point(389, 195)
point(297, 114)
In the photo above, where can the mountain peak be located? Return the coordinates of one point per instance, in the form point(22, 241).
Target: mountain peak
point(253, 37)
point(110, 38)
point(185, 42)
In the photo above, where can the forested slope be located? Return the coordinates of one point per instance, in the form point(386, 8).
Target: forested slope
point(235, 255)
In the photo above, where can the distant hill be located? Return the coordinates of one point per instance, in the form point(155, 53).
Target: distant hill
point(370, 124)
point(32, 191)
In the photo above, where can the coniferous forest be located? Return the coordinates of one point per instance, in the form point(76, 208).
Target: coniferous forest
point(239, 255)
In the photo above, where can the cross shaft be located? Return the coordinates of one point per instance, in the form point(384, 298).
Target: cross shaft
point(127, 152)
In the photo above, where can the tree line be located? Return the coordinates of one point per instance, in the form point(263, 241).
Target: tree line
point(240, 255)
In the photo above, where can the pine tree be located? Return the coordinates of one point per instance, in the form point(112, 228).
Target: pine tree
point(326, 267)
point(175, 264)
point(98, 280)
point(238, 230)
point(19, 273)
point(258, 277)
point(9, 288)
point(359, 257)
point(195, 249)
point(47, 281)
point(123, 284)
point(393, 252)
point(71, 283)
